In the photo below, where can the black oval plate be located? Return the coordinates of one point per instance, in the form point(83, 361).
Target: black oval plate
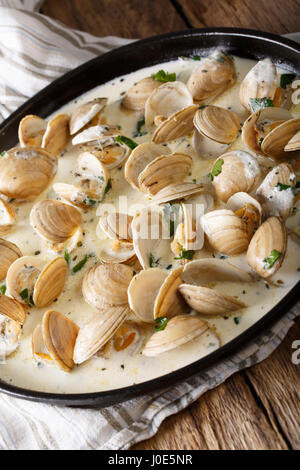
point(240, 42)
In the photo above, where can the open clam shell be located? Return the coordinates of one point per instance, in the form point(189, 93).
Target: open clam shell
point(179, 331)
point(176, 126)
point(167, 100)
point(110, 153)
point(85, 113)
point(55, 221)
point(267, 248)
point(275, 141)
point(205, 271)
point(117, 226)
point(240, 172)
point(26, 172)
point(31, 131)
point(106, 285)
point(12, 317)
point(189, 234)
point(98, 331)
point(176, 191)
point(74, 194)
point(39, 350)
point(168, 302)
point(247, 208)
point(136, 97)
point(212, 77)
point(141, 156)
point(143, 290)
point(50, 283)
point(294, 143)
point(116, 252)
point(218, 124)
point(7, 217)
point(9, 253)
point(13, 309)
point(163, 171)
point(59, 335)
point(96, 134)
point(56, 136)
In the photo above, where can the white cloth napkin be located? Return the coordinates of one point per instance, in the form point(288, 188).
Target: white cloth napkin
point(34, 50)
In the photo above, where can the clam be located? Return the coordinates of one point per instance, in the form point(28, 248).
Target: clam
point(179, 331)
point(129, 337)
point(267, 248)
point(141, 156)
point(29, 279)
point(117, 226)
point(7, 217)
point(26, 172)
point(210, 270)
point(275, 141)
point(112, 154)
point(96, 135)
point(226, 232)
point(55, 221)
point(163, 171)
point(136, 97)
point(167, 100)
point(56, 136)
point(69, 245)
point(235, 171)
point(12, 317)
point(31, 131)
point(13, 309)
point(217, 124)
point(74, 194)
point(168, 302)
point(188, 235)
point(98, 331)
point(212, 77)
point(59, 337)
point(260, 82)
point(176, 191)
point(143, 290)
point(85, 114)
point(176, 126)
point(9, 252)
point(117, 252)
point(277, 191)
point(39, 350)
point(106, 285)
point(293, 143)
point(247, 208)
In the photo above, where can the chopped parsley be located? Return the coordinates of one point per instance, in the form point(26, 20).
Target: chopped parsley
point(259, 103)
point(67, 256)
point(237, 320)
point(196, 57)
point(286, 79)
point(271, 260)
point(80, 265)
point(260, 141)
point(139, 126)
point(108, 187)
point(217, 168)
point(161, 323)
point(186, 254)
point(2, 290)
point(162, 76)
point(121, 139)
point(151, 260)
point(24, 294)
point(2, 154)
point(89, 202)
point(284, 187)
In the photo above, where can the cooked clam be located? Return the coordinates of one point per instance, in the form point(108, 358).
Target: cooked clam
point(106, 285)
point(117, 252)
point(86, 113)
point(12, 317)
point(26, 172)
point(136, 97)
point(117, 226)
point(112, 154)
point(7, 217)
point(176, 191)
point(143, 290)
point(267, 248)
point(9, 252)
point(74, 194)
point(55, 221)
point(98, 331)
point(276, 140)
point(293, 143)
point(168, 302)
point(31, 131)
point(189, 234)
point(247, 208)
point(218, 124)
point(176, 126)
point(212, 77)
point(94, 135)
point(235, 171)
point(57, 135)
point(179, 331)
point(13, 309)
point(167, 100)
point(39, 350)
point(205, 271)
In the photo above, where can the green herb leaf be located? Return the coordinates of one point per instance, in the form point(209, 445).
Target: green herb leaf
point(186, 254)
point(259, 103)
point(260, 141)
point(24, 294)
point(2, 154)
point(108, 187)
point(151, 260)
point(284, 187)
point(271, 260)
point(67, 256)
point(89, 202)
point(196, 57)
point(121, 139)
point(2, 290)
point(162, 76)
point(80, 265)
point(217, 168)
point(237, 320)
point(139, 126)
point(171, 214)
point(286, 79)
point(161, 323)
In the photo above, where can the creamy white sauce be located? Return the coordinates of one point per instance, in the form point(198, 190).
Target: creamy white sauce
point(123, 369)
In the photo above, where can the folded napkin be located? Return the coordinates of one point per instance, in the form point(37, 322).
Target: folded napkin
point(34, 50)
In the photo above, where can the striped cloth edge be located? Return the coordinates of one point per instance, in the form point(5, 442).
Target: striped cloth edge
point(34, 50)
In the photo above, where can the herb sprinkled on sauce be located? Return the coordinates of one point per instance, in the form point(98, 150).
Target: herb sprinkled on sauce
point(271, 260)
point(161, 323)
point(162, 76)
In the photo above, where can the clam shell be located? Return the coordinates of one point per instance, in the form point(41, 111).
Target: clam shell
point(294, 143)
point(175, 192)
point(117, 253)
point(207, 301)
point(218, 76)
point(205, 271)
point(218, 124)
point(31, 131)
point(117, 226)
point(143, 290)
point(168, 302)
point(106, 285)
point(13, 309)
point(247, 208)
point(73, 194)
point(136, 97)
point(7, 217)
point(26, 172)
point(140, 158)
point(167, 100)
point(189, 234)
point(260, 82)
point(98, 331)
point(23, 274)
point(57, 134)
point(50, 282)
point(95, 134)
point(39, 350)
point(110, 153)
point(226, 232)
point(55, 221)
point(177, 125)
point(179, 330)
point(85, 113)
point(271, 235)
point(59, 335)
point(9, 253)
point(274, 143)
point(163, 171)
point(240, 173)
point(10, 338)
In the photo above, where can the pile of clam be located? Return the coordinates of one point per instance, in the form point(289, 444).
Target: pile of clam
point(247, 200)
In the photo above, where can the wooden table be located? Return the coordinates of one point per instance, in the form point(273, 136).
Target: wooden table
point(257, 408)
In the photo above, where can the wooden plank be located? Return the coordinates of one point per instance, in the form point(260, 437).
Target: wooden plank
point(274, 16)
point(134, 19)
